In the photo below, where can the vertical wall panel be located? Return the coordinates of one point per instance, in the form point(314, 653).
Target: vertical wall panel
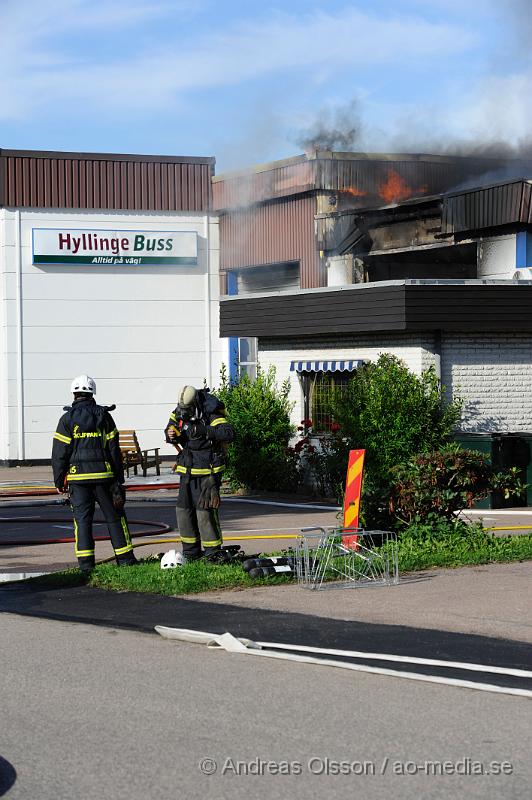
point(82, 185)
point(276, 232)
point(32, 179)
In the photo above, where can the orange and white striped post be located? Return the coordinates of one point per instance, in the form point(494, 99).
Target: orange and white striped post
point(353, 490)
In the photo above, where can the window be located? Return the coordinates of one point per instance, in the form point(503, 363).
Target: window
point(247, 357)
point(320, 380)
point(321, 398)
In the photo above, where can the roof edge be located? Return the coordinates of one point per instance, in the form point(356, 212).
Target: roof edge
point(397, 283)
point(338, 155)
point(80, 156)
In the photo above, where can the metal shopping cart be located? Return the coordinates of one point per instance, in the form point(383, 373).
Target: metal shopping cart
point(346, 558)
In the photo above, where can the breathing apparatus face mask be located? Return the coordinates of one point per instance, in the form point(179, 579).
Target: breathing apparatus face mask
point(187, 413)
point(187, 403)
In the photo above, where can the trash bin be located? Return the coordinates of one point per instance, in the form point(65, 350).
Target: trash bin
point(511, 450)
point(480, 443)
point(505, 450)
point(528, 439)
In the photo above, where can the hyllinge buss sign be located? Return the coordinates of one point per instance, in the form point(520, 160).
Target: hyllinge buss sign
point(114, 248)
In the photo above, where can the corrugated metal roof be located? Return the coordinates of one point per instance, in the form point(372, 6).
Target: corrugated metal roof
point(488, 207)
point(34, 179)
point(370, 179)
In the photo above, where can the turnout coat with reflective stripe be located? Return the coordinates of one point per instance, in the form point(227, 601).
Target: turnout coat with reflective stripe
point(86, 446)
point(205, 454)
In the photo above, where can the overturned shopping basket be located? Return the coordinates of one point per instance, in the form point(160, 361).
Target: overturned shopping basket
point(345, 558)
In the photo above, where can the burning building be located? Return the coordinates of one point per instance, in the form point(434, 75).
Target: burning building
point(329, 260)
point(282, 223)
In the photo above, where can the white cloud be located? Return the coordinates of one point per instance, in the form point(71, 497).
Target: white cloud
point(35, 53)
point(495, 109)
point(38, 74)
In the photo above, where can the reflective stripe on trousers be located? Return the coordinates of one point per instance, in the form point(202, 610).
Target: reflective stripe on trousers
point(83, 498)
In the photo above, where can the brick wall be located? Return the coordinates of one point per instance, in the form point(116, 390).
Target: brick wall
point(413, 349)
point(493, 374)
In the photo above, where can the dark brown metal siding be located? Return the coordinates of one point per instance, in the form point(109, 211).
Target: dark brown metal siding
point(389, 180)
point(315, 313)
point(39, 181)
point(493, 206)
point(469, 308)
point(272, 233)
point(407, 307)
point(254, 187)
point(371, 180)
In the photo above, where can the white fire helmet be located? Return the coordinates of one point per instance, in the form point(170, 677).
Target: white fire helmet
point(83, 383)
point(173, 558)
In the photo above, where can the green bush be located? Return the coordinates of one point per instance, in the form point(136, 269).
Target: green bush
point(434, 486)
point(393, 415)
point(260, 456)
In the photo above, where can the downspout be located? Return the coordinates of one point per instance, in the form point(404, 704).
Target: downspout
point(232, 290)
point(208, 358)
point(20, 369)
point(437, 354)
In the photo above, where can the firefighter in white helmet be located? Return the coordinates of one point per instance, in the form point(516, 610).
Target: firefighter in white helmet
point(200, 432)
point(87, 463)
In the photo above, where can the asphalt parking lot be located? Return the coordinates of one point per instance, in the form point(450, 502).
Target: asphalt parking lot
point(37, 521)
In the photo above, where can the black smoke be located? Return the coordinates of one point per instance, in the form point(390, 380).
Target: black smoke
point(333, 129)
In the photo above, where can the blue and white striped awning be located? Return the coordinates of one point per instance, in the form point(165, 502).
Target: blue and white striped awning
point(326, 366)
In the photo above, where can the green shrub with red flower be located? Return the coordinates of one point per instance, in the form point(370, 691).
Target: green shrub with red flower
point(391, 413)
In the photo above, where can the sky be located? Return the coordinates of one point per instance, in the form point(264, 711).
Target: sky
point(249, 82)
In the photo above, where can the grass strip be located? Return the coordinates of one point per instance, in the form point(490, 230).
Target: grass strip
point(414, 555)
point(479, 548)
point(147, 576)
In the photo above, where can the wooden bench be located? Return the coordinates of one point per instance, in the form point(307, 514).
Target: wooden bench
point(133, 457)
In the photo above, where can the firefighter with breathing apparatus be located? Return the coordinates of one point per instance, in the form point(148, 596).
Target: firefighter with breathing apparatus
point(87, 464)
point(199, 430)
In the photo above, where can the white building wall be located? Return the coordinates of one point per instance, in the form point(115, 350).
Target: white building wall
point(497, 257)
point(141, 332)
point(4, 427)
point(493, 375)
point(414, 350)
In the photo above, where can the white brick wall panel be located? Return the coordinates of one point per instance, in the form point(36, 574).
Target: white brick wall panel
point(493, 375)
point(410, 348)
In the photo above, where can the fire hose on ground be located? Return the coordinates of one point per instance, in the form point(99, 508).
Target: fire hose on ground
point(153, 528)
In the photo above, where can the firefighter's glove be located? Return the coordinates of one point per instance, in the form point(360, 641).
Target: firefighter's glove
point(118, 496)
point(209, 495)
point(171, 434)
point(61, 485)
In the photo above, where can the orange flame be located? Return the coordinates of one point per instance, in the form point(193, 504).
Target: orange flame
point(355, 192)
point(395, 188)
